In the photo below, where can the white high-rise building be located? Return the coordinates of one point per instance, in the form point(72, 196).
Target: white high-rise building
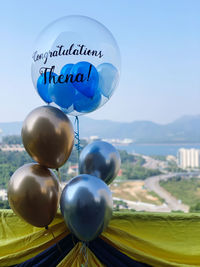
point(188, 158)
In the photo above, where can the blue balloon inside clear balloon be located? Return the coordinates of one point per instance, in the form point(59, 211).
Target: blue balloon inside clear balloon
point(108, 79)
point(79, 87)
point(85, 104)
point(66, 69)
point(63, 93)
point(86, 78)
point(43, 86)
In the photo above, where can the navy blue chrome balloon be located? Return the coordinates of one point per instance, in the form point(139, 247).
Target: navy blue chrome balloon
point(100, 159)
point(86, 205)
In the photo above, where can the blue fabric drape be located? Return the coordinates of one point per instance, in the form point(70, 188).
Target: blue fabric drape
point(107, 254)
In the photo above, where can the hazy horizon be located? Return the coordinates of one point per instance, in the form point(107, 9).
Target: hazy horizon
point(86, 116)
point(159, 43)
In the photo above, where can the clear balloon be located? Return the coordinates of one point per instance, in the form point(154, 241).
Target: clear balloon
point(92, 52)
point(48, 136)
point(34, 194)
point(100, 159)
point(86, 205)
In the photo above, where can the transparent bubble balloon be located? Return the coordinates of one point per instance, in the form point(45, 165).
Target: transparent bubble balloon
point(76, 64)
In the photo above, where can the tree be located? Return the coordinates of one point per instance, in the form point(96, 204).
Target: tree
point(195, 208)
point(12, 140)
point(4, 204)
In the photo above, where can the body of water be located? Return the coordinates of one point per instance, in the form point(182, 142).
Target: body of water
point(157, 149)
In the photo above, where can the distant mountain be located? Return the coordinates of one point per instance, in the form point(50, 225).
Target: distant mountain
point(185, 129)
point(109, 129)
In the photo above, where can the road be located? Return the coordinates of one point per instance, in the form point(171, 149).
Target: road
point(152, 184)
point(142, 206)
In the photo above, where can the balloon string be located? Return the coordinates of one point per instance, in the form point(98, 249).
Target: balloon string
point(77, 137)
point(84, 252)
point(51, 232)
point(59, 174)
point(73, 240)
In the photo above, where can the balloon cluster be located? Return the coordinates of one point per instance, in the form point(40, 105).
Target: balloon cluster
point(80, 87)
point(76, 64)
point(34, 191)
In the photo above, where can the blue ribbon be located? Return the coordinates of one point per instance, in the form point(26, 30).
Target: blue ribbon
point(76, 135)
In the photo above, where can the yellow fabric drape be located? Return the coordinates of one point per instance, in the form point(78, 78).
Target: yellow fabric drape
point(20, 241)
point(158, 239)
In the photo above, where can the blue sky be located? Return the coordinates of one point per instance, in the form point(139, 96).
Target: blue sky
point(160, 50)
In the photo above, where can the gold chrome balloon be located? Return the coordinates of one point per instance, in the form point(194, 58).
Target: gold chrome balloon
point(34, 194)
point(48, 136)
